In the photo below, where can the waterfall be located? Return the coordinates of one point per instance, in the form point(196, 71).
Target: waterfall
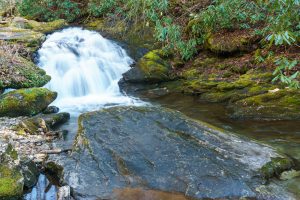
point(85, 69)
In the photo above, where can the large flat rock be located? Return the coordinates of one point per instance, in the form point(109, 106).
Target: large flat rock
point(158, 149)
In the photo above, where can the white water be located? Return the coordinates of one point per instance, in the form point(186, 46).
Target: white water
point(85, 70)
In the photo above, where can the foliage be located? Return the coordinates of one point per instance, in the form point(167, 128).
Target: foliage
point(7, 6)
point(283, 70)
point(99, 8)
point(282, 21)
point(49, 10)
point(224, 14)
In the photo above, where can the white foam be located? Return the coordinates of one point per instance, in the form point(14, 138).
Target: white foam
point(85, 70)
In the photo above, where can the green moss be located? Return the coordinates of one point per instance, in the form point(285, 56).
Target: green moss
point(155, 66)
point(190, 74)
point(25, 102)
point(275, 167)
point(46, 27)
point(18, 72)
point(229, 43)
point(13, 154)
point(283, 104)
point(239, 84)
point(11, 183)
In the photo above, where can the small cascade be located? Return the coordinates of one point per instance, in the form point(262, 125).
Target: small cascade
point(85, 70)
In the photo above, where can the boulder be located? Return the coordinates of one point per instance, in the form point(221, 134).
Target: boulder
point(282, 104)
point(17, 72)
point(136, 37)
point(151, 68)
point(25, 102)
point(11, 182)
point(231, 42)
point(27, 37)
point(158, 149)
point(15, 174)
point(43, 27)
point(42, 123)
point(51, 110)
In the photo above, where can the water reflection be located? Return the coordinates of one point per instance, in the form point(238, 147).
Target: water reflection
point(44, 190)
point(284, 135)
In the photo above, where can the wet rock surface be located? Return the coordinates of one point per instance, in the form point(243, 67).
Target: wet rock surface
point(159, 149)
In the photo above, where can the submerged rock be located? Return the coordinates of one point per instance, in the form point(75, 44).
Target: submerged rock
point(283, 104)
point(152, 68)
point(159, 149)
point(17, 72)
point(25, 102)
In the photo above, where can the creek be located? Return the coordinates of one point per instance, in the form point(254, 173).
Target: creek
point(85, 70)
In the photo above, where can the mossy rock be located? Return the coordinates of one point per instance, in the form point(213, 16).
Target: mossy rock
point(17, 72)
point(138, 37)
point(43, 27)
point(231, 42)
point(42, 121)
point(25, 102)
point(154, 67)
point(46, 27)
point(212, 89)
point(283, 104)
point(11, 183)
point(11, 178)
point(276, 166)
point(25, 36)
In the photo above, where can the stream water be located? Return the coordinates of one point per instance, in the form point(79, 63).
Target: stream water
point(85, 70)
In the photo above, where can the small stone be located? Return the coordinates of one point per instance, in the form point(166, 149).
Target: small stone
point(273, 91)
point(287, 175)
point(51, 110)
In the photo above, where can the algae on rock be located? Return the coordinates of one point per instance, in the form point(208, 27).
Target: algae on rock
point(25, 102)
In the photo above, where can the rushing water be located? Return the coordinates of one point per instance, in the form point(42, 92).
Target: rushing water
point(85, 69)
point(44, 190)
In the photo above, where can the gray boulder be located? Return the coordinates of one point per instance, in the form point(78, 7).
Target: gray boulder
point(159, 149)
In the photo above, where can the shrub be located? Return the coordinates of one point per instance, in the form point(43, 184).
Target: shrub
point(49, 10)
